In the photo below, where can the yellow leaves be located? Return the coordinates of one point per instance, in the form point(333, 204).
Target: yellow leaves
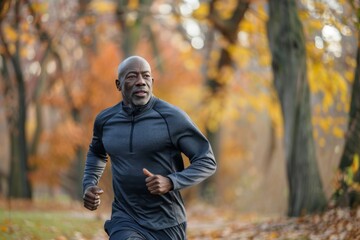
point(10, 33)
point(248, 27)
point(133, 4)
point(316, 24)
point(225, 75)
point(274, 110)
point(265, 59)
point(225, 8)
point(40, 7)
point(103, 7)
point(212, 71)
point(338, 132)
point(317, 77)
point(24, 35)
point(331, 125)
point(350, 61)
point(5, 8)
point(332, 85)
point(333, 88)
point(239, 54)
point(27, 39)
point(327, 102)
point(355, 164)
point(202, 11)
point(12, 48)
point(349, 75)
point(351, 171)
point(213, 111)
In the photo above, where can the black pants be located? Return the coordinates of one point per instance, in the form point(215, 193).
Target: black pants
point(119, 229)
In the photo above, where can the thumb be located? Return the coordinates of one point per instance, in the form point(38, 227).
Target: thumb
point(147, 173)
point(97, 190)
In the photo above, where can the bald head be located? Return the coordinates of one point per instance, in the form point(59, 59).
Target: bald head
point(131, 61)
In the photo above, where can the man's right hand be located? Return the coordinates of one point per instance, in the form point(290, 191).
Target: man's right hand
point(92, 197)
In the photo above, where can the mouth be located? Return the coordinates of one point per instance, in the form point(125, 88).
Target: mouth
point(140, 93)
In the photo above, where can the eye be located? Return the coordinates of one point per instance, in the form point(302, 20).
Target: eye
point(146, 75)
point(131, 76)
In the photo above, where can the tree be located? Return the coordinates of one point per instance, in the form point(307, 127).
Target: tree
point(219, 66)
point(15, 98)
point(347, 193)
point(286, 41)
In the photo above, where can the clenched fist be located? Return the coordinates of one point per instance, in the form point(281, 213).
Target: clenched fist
point(92, 197)
point(157, 184)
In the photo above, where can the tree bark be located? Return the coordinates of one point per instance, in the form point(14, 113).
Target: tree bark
point(287, 45)
point(346, 195)
point(19, 184)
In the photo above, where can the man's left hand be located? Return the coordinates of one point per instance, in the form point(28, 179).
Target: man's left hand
point(157, 184)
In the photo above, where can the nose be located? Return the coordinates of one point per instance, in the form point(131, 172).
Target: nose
point(140, 81)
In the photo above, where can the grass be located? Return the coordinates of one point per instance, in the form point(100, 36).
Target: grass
point(40, 225)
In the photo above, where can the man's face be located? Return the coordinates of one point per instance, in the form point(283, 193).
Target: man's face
point(135, 82)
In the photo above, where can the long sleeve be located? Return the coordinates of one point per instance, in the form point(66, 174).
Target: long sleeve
point(189, 140)
point(96, 158)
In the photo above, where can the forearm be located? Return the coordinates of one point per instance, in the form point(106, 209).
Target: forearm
point(197, 172)
point(94, 167)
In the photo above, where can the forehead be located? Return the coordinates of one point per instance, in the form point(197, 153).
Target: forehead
point(135, 65)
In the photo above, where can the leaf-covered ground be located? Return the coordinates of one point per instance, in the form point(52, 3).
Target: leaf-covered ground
point(23, 220)
point(334, 224)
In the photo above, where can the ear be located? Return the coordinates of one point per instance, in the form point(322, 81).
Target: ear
point(118, 85)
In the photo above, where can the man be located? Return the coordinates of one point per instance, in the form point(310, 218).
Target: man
point(144, 138)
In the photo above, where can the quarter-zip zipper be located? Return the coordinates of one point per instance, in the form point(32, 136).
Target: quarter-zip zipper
point(131, 133)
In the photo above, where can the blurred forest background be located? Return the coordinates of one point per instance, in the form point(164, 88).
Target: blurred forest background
point(273, 84)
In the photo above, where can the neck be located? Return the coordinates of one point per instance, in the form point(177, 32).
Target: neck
point(132, 106)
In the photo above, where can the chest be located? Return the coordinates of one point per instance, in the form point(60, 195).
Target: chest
point(143, 135)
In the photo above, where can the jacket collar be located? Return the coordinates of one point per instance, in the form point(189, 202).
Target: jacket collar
point(139, 109)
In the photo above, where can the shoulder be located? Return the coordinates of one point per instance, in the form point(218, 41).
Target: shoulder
point(107, 113)
point(175, 117)
point(169, 110)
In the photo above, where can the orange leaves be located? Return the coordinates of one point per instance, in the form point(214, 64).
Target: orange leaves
point(57, 152)
point(333, 224)
point(84, 97)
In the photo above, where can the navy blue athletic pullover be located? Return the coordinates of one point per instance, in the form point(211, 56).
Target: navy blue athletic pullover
point(152, 137)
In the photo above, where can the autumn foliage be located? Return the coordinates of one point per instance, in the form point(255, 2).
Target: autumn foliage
point(68, 53)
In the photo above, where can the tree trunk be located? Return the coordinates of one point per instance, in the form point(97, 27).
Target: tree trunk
point(216, 86)
point(346, 195)
point(19, 184)
point(287, 44)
